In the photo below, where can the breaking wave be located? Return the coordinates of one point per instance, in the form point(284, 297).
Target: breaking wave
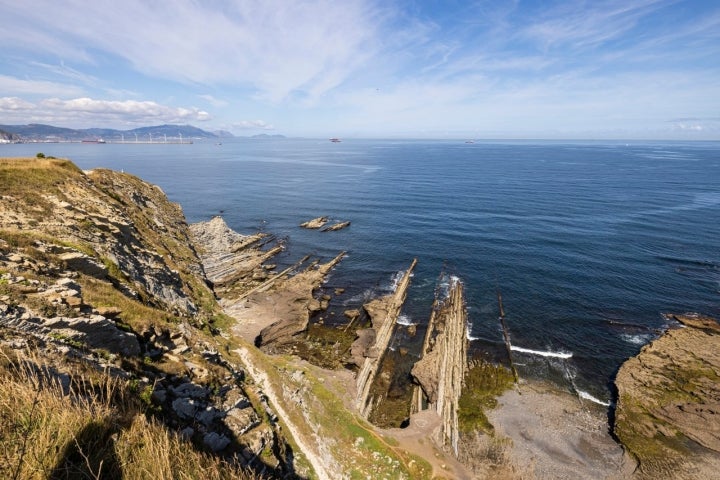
point(405, 320)
point(541, 353)
point(469, 335)
point(586, 396)
point(638, 339)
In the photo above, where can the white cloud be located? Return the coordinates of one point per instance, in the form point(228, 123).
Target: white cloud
point(90, 112)
point(14, 104)
point(581, 24)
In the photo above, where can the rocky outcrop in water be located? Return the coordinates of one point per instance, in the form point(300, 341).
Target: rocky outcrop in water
point(315, 223)
point(384, 313)
point(337, 226)
point(441, 370)
point(668, 409)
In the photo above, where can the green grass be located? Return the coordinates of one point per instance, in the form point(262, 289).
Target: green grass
point(484, 382)
point(365, 453)
point(24, 178)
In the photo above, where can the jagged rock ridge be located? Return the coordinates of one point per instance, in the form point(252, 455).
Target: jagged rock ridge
point(441, 370)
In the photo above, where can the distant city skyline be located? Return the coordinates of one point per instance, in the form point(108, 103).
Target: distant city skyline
point(645, 69)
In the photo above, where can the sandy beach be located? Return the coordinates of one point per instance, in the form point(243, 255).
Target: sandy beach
point(556, 435)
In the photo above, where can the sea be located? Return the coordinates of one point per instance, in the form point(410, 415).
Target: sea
point(588, 242)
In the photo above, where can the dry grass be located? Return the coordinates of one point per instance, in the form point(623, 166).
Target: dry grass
point(88, 430)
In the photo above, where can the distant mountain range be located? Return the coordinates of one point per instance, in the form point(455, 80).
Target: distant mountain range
point(40, 132)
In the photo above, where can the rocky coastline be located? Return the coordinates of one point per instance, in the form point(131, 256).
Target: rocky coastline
point(98, 269)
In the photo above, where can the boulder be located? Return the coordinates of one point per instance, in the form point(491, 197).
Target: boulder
point(80, 262)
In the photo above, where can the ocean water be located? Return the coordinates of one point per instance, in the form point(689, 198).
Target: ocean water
point(588, 242)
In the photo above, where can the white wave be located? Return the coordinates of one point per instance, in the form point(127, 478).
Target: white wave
point(636, 339)
point(587, 396)
point(405, 320)
point(395, 280)
point(541, 353)
point(468, 335)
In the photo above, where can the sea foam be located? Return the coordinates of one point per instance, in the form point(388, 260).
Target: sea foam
point(587, 396)
point(541, 353)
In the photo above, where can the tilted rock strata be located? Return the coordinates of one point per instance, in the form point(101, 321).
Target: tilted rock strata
point(122, 223)
point(668, 411)
point(315, 223)
point(294, 303)
point(384, 313)
point(337, 226)
point(441, 370)
point(227, 256)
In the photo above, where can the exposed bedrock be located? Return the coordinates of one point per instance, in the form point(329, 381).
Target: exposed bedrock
point(293, 303)
point(668, 409)
point(315, 223)
point(442, 367)
point(383, 313)
point(232, 262)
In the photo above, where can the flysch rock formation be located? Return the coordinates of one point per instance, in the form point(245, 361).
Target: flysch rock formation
point(293, 303)
point(336, 226)
point(315, 223)
point(232, 262)
point(383, 313)
point(668, 409)
point(441, 369)
point(270, 308)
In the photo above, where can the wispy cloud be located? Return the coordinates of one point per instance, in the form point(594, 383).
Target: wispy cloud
point(215, 102)
point(64, 71)
point(18, 86)
point(366, 63)
point(274, 47)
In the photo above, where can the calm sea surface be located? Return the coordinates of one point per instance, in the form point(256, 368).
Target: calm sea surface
point(588, 242)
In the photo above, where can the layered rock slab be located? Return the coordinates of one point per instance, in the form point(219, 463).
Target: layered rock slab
point(441, 370)
point(668, 410)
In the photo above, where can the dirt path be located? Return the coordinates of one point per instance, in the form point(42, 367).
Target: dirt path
point(416, 438)
point(304, 444)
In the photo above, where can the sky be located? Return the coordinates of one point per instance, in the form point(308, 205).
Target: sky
point(627, 69)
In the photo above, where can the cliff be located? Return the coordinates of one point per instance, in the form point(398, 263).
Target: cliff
point(668, 410)
point(101, 284)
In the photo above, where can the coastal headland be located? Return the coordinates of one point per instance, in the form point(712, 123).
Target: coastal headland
point(190, 341)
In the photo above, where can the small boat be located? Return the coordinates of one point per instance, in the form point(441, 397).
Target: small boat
point(335, 140)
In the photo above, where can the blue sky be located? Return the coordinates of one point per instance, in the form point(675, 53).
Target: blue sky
point(362, 68)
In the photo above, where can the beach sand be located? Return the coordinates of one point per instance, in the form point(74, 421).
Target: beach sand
point(556, 435)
